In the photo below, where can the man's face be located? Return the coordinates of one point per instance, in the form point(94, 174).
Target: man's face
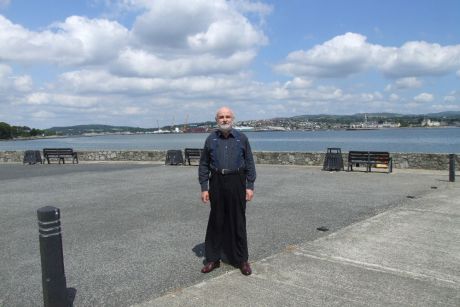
point(224, 119)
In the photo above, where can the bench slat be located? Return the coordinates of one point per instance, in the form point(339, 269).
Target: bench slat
point(377, 159)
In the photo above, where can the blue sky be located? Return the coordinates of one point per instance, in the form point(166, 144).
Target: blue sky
point(136, 62)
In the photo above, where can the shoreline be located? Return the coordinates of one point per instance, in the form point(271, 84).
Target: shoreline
point(244, 131)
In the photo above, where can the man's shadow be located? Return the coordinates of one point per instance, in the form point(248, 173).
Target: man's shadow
point(71, 294)
point(199, 251)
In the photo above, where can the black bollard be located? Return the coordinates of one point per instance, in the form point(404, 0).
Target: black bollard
point(452, 167)
point(52, 258)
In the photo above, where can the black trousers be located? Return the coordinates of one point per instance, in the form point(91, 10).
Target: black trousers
point(226, 236)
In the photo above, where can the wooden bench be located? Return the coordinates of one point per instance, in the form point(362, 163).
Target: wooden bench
point(60, 154)
point(192, 153)
point(376, 159)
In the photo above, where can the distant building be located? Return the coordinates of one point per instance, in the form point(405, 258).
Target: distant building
point(244, 128)
point(389, 125)
point(430, 123)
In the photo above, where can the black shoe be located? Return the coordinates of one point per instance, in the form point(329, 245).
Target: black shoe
point(245, 268)
point(210, 266)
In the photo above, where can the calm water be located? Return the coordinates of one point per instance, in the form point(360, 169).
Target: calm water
point(440, 140)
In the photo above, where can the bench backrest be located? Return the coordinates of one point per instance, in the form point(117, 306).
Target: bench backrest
point(358, 155)
point(58, 151)
point(378, 156)
point(193, 152)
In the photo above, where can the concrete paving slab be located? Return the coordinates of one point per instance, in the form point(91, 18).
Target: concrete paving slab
point(296, 279)
point(420, 239)
point(403, 257)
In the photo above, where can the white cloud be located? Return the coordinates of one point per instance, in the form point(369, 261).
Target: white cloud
point(143, 64)
point(169, 39)
point(195, 26)
point(339, 57)
point(394, 97)
point(12, 83)
point(298, 83)
point(100, 82)
point(449, 98)
point(132, 110)
point(405, 83)
point(42, 115)
point(23, 83)
point(5, 70)
point(424, 97)
point(56, 99)
point(77, 41)
point(350, 53)
point(420, 59)
point(453, 97)
point(445, 107)
point(409, 82)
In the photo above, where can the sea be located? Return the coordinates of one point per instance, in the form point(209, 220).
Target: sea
point(425, 140)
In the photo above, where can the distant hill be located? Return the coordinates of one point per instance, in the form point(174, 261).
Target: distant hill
point(383, 115)
point(80, 129)
point(449, 114)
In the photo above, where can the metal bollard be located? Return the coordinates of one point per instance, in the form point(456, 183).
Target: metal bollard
point(452, 158)
point(52, 259)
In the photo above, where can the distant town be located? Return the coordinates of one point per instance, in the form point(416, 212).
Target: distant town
point(360, 121)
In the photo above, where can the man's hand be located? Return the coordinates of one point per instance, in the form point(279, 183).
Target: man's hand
point(249, 194)
point(205, 196)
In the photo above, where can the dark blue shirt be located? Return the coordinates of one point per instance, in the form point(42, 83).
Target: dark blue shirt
point(232, 152)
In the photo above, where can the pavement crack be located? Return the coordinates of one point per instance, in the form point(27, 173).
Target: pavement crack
point(377, 267)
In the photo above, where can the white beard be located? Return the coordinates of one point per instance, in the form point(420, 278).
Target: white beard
point(225, 127)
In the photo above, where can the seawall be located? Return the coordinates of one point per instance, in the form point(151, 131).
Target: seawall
point(432, 161)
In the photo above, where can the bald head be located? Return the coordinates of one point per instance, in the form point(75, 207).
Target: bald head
point(224, 119)
point(224, 111)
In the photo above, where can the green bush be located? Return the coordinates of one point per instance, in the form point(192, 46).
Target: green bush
point(5, 131)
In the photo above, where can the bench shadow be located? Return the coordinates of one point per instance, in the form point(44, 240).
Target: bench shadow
point(364, 171)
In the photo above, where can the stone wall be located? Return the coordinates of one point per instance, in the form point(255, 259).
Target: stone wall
point(400, 160)
point(11, 156)
point(122, 155)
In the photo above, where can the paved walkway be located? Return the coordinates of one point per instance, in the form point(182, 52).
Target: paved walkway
point(406, 256)
point(133, 233)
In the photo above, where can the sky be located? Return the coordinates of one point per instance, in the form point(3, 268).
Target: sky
point(149, 63)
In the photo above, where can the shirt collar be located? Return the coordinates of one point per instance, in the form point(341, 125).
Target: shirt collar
point(230, 134)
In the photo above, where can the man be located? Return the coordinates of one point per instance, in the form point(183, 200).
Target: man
point(226, 174)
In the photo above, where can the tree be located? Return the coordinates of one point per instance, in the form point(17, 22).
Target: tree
point(35, 132)
point(5, 131)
